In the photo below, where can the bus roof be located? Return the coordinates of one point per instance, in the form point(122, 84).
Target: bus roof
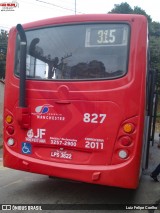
point(83, 18)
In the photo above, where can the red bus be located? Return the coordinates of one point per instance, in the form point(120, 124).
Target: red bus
point(75, 98)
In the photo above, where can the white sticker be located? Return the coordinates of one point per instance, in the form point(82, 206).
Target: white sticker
point(61, 154)
point(37, 136)
point(94, 143)
point(63, 141)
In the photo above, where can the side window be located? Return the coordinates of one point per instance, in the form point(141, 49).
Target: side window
point(36, 68)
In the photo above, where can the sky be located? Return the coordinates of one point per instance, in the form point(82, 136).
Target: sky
point(33, 10)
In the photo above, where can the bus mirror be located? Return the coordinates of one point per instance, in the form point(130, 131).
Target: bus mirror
point(22, 69)
point(32, 47)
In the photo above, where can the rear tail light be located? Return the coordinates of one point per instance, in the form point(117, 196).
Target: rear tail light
point(128, 128)
point(9, 119)
point(10, 142)
point(123, 154)
point(125, 141)
point(10, 130)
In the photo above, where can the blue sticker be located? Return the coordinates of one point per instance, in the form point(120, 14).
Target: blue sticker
point(26, 148)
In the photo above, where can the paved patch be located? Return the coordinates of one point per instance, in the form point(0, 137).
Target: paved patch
point(1, 165)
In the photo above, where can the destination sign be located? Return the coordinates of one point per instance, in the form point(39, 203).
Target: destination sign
point(107, 34)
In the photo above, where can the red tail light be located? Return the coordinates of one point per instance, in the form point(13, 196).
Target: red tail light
point(10, 130)
point(125, 141)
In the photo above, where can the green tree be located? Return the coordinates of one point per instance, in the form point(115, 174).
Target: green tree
point(138, 10)
point(154, 32)
point(155, 29)
point(3, 52)
point(123, 8)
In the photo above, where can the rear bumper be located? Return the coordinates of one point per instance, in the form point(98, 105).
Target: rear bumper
point(125, 175)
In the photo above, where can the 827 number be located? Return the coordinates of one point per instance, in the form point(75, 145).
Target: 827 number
point(94, 118)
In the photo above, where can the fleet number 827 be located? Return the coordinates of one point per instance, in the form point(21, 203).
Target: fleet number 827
point(94, 118)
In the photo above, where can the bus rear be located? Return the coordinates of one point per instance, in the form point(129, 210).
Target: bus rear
point(75, 98)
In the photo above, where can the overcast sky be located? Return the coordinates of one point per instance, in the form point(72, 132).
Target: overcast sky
point(32, 10)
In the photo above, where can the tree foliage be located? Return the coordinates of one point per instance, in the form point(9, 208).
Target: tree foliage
point(123, 8)
point(154, 32)
point(3, 52)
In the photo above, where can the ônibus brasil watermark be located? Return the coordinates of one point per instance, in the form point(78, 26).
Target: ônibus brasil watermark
point(9, 6)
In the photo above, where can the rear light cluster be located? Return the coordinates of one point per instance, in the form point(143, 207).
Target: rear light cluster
point(10, 129)
point(125, 141)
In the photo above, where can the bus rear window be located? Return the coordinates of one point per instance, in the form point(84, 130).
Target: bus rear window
point(77, 52)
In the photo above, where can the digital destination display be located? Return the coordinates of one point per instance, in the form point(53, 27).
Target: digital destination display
point(107, 34)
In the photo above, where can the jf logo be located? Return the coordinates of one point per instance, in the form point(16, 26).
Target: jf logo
point(39, 133)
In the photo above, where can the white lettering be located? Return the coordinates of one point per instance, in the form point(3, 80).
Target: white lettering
point(61, 154)
point(94, 145)
point(106, 36)
point(94, 118)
